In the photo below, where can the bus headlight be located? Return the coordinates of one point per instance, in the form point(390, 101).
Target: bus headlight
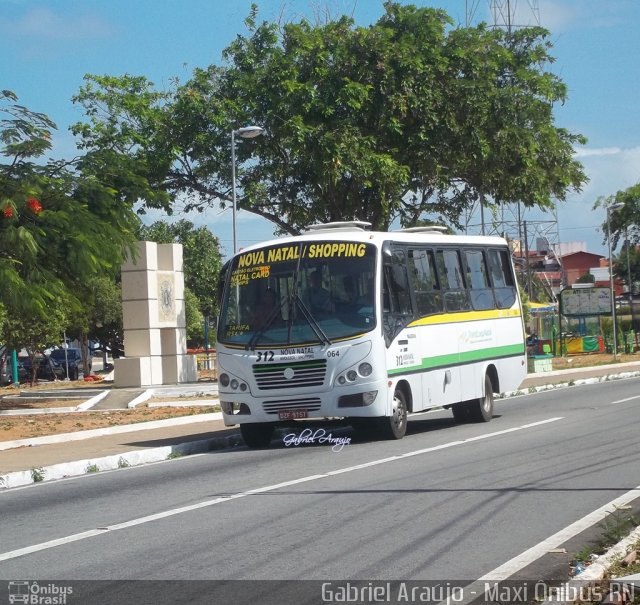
point(224, 380)
point(357, 400)
point(234, 384)
point(369, 397)
point(352, 375)
point(341, 380)
point(365, 369)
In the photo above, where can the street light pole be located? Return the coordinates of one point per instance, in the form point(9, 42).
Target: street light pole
point(248, 132)
point(630, 286)
point(613, 299)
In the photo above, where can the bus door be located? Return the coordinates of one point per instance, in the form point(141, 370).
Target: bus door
point(456, 300)
point(403, 352)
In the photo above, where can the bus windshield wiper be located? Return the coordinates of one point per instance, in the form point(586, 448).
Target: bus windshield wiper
point(264, 327)
point(315, 326)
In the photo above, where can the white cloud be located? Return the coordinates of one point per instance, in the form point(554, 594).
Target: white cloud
point(40, 24)
point(584, 153)
point(561, 15)
point(610, 170)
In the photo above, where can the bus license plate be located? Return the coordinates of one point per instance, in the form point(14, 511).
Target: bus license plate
point(292, 414)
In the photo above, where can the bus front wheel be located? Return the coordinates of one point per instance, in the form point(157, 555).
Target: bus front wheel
point(257, 435)
point(482, 408)
point(395, 426)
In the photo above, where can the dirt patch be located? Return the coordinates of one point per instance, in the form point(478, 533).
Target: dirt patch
point(24, 427)
point(40, 403)
point(590, 360)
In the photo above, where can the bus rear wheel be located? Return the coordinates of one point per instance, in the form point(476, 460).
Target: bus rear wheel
point(481, 409)
point(395, 426)
point(461, 411)
point(257, 435)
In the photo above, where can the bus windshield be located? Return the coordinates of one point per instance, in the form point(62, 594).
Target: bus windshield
point(299, 293)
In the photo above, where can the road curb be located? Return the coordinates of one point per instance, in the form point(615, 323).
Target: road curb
point(112, 430)
point(117, 461)
point(582, 584)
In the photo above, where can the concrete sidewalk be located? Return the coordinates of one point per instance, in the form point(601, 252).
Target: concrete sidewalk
point(128, 445)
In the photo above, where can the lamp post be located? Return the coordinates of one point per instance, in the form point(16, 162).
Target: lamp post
point(630, 292)
point(247, 132)
point(613, 298)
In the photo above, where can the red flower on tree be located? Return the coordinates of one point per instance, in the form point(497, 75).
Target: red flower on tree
point(8, 212)
point(34, 205)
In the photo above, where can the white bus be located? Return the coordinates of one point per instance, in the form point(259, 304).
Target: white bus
point(342, 322)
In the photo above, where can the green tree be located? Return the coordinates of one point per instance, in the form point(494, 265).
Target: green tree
point(628, 262)
point(100, 318)
point(624, 221)
point(58, 224)
point(587, 278)
point(403, 118)
point(195, 320)
point(36, 332)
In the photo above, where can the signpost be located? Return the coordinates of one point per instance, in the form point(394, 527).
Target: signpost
point(583, 302)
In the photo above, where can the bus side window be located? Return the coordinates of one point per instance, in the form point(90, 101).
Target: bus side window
point(502, 278)
point(456, 296)
point(397, 307)
point(478, 280)
point(399, 285)
point(424, 280)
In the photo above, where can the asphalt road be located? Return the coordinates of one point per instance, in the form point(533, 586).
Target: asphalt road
point(447, 502)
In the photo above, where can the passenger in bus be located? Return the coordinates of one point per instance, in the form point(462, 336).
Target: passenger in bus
point(350, 290)
point(265, 308)
point(318, 297)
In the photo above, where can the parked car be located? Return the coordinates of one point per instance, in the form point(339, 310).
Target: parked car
point(72, 357)
point(6, 372)
point(47, 368)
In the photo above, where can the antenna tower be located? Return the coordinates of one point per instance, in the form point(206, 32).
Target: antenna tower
point(513, 220)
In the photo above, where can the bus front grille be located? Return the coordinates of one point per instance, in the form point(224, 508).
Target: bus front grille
point(290, 375)
point(312, 404)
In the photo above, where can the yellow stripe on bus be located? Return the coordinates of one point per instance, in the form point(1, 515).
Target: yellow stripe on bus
point(444, 318)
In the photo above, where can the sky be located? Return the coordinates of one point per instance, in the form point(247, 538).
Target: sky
point(47, 46)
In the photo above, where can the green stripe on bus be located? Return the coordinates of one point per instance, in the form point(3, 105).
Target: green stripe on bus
point(438, 361)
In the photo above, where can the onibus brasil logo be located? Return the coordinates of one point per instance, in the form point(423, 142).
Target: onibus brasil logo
point(28, 591)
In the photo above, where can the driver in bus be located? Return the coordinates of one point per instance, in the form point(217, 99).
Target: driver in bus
point(318, 297)
point(265, 307)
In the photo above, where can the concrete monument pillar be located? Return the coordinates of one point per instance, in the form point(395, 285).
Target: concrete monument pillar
point(155, 335)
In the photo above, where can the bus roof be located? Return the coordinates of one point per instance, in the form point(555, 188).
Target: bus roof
point(348, 231)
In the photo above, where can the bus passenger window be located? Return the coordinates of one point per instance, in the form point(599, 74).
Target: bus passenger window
point(422, 268)
point(456, 297)
point(502, 278)
point(399, 285)
point(478, 280)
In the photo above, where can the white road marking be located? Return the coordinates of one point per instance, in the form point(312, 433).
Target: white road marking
point(13, 554)
point(625, 400)
point(520, 561)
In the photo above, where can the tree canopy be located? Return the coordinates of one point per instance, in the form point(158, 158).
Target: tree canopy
point(622, 216)
point(402, 119)
point(58, 224)
point(624, 220)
